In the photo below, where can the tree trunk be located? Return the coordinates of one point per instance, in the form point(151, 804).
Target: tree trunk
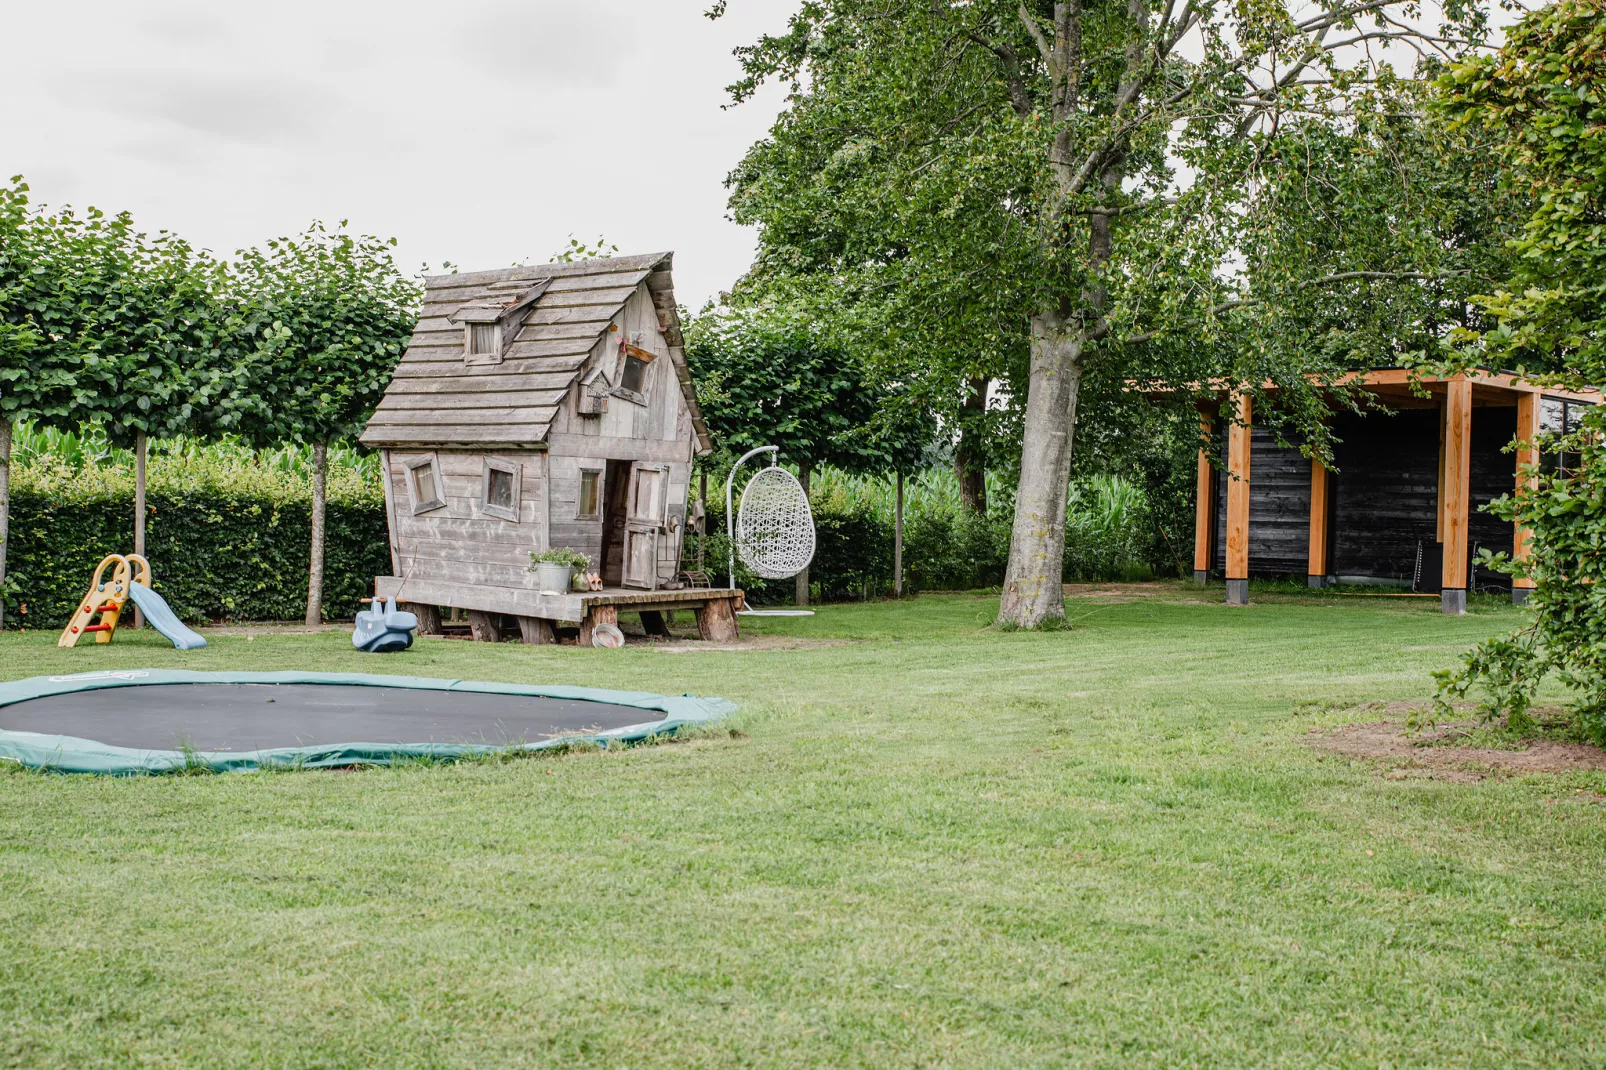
point(1033, 591)
point(969, 466)
point(897, 543)
point(802, 597)
point(5, 506)
point(141, 448)
point(320, 474)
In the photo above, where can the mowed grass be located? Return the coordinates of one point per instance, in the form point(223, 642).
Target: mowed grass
point(930, 843)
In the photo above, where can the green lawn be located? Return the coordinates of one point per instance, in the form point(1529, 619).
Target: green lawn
point(929, 844)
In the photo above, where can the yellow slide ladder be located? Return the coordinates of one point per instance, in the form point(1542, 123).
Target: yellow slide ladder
point(105, 600)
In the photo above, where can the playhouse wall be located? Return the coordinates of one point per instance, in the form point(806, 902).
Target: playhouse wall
point(659, 432)
point(461, 543)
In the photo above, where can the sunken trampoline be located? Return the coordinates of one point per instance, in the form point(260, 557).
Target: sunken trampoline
point(159, 720)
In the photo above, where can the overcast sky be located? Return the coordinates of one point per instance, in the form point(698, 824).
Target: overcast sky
point(483, 132)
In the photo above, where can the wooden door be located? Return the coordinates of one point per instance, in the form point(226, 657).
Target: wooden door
point(648, 490)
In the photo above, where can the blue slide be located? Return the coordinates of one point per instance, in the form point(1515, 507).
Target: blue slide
point(162, 619)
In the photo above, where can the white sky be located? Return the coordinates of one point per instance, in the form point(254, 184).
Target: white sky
point(483, 132)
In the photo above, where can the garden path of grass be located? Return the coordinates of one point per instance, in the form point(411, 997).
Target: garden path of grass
point(932, 844)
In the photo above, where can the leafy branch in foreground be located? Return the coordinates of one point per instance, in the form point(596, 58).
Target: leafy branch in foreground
point(1541, 98)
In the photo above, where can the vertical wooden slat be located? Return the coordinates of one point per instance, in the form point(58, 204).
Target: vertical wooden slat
point(1527, 454)
point(1456, 491)
point(1316, 570)
point(1238, 503)
point(1203, 507)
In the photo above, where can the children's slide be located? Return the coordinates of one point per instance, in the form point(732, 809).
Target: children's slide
point(160, 617)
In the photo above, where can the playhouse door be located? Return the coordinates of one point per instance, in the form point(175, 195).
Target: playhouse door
point(649, 485)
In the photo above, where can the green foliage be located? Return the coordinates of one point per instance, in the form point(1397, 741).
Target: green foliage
point(768, 375)
point(601, 249)
point(560, 555)
point(226, 537)
point(330, 315)
point(1542, 99)
point(89, 445)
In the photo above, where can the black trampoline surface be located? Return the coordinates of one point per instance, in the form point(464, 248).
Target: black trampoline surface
point(247, 717)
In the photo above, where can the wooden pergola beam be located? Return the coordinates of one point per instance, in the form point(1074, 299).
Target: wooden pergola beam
point(1456, 493)
point(1238, 436)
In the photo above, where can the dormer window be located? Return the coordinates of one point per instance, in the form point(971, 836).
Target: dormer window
point(484, 340)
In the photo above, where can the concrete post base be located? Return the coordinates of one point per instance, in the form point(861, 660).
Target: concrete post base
point(1519, 595)
point(1453, 600)
point(1237, 592)
point(1315, 582)
point(1201, 577)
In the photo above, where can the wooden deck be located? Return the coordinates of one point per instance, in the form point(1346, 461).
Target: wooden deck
point(715, 607)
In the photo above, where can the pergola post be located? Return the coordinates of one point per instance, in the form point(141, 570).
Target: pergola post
point(1455, 492)
point(1202, 508)
point(1316, 569)
point(1527, 454)
point(1238, 504)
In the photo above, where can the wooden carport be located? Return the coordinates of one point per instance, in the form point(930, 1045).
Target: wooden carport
point(1478, 413)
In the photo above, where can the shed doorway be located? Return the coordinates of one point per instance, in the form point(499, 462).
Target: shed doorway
point(615, 522)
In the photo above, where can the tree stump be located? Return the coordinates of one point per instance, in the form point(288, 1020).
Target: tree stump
point(429, 617)
point(716, 621)
point(594, 616)
point(536, 631)
point(653, 623)
point(484, 626)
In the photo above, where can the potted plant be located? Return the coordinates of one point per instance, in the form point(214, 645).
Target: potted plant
point(555, 568)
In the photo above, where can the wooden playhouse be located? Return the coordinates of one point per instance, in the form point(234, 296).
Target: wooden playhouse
point(539, 407)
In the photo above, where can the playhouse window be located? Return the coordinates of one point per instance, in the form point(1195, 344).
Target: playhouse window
point(501, 488)
point(484, 340)
point(423, 484)
point(635, 375)
point(590, 494)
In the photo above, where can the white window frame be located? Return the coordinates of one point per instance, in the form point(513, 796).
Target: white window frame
point(511, 468)
point(433, 461)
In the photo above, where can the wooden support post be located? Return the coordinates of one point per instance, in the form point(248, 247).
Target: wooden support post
point(716, 621)
point(1527, 456)
point(484, 627)
point(594, 616)
point(1238, 504)
point(1316, 570)
point(429, 617)
point(652, 622)
point(536, 631)
point(1203, 508)
point(1456, 492)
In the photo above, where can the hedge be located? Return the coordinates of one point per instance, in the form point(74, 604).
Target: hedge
point(225, 541)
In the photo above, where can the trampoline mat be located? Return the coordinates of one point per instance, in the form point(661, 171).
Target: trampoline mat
point(247, 717)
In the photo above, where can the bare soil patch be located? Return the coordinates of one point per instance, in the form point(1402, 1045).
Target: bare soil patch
point(1430, 754)
point(1114, 593)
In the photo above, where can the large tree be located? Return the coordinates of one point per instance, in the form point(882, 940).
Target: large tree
point(331, 316)
point(1076, 175)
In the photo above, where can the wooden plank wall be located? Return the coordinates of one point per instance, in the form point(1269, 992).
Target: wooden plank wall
point(1279, 509)
point(659, 432)
point(461, 543)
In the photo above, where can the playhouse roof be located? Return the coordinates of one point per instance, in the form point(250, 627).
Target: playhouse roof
point(553, 315)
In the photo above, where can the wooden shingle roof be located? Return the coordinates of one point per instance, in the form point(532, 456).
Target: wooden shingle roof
point(436, 398)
